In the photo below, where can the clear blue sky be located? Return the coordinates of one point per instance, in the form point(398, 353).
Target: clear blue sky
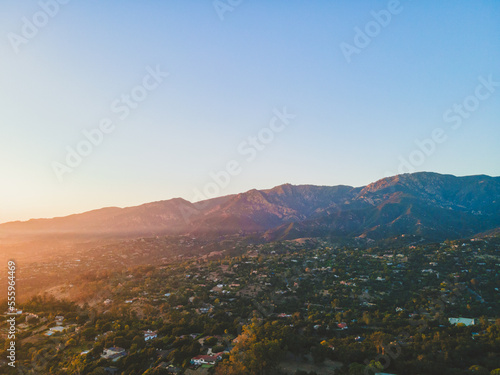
point(354, 120)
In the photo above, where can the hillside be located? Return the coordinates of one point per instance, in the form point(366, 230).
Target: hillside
point(429, 205)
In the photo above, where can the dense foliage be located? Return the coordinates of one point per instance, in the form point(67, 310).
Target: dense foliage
point(294, 307)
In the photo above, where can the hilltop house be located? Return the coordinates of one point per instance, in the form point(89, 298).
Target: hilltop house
point(342, 326)
point(53, 330)
point(114, 353)
point(150, 335)
point(465, 321)
point(206, 359)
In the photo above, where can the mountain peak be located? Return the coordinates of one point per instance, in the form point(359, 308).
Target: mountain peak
point(428, 204)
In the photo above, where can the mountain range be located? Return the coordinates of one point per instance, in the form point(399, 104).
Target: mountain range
point(428, 205)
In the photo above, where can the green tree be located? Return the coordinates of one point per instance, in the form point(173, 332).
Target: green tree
point(211, 341)
point(258, 350)
point(319, 353)
point(356, 369)
point(89, 333)
point(99, 371)
point(478, 370)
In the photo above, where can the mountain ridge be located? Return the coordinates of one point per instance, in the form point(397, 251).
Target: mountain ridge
point(427, 204)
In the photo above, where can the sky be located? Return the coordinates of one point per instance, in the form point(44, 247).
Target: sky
point(120, 103)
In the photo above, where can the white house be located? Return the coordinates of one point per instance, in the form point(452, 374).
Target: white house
point(206, 359)
point(465, 321)
point(53, 330)
point(150, 335)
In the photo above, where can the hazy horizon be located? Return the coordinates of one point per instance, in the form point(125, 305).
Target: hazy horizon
point(265, 188)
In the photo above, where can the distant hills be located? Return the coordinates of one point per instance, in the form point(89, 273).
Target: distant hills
point(428, 205)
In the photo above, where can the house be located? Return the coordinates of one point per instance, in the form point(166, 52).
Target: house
point(114, 353)
point(465, 321)
point(206, 359)
point(205, 308)
point(150, 335)
point(59, 320)
point(342, 325)
point(53, 330)
point(13, 311)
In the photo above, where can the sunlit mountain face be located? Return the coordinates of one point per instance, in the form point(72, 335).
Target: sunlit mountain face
point(429, 205)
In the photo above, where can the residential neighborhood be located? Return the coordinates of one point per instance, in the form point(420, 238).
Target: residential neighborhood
point(331, 309)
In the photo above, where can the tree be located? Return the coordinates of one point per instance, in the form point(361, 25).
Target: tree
point(211, 341)
point(366, 318)
point(139, 341)
point(89, 334)
point(218, 348)
point(97, 350)
point(258, 349)
point(319, 353)
point(121, 342)
point(374, 366)
point(478, 370)
point(99, 371)
point(380, 339)
point(356, 369)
